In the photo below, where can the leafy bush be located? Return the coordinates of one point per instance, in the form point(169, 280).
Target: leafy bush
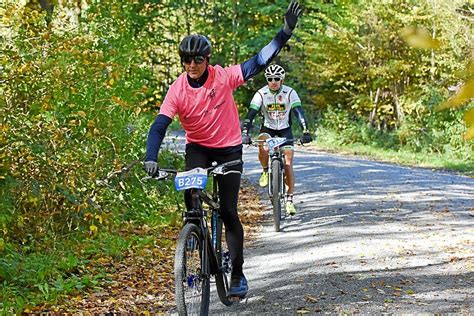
point(74, 112)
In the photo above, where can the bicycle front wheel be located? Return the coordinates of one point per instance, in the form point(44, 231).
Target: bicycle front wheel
point(276, 201)
point(191, 283)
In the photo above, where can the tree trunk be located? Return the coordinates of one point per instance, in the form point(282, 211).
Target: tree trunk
point(433, 56)
point(47, 6)
point(398, 108)
point(187, 18)
point(373, 113)
point(235, 25)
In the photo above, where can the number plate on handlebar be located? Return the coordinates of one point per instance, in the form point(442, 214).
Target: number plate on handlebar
point(274, 142)
point(193, 179)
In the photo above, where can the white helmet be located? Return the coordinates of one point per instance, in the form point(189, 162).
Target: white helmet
point(275, 71)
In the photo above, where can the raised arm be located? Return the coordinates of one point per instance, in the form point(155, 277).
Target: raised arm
point(260, 61)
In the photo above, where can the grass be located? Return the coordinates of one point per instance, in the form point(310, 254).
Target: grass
point(32, 278)
point(39, 277)
point(440, 161)
point(40, 280)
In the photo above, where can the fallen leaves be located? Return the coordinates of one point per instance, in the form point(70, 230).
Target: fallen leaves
point(311, 299)
point(250, 210)
point(397, 293)
point(141, 281)
point(303, 310)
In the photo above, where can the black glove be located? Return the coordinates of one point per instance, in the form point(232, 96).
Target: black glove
point(292, 14)
point(246, 140)
point(151, 167)
point(306, 138)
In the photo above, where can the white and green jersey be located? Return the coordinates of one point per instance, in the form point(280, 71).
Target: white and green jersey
point(275, 106)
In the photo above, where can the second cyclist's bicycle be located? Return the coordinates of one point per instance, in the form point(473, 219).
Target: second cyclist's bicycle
point(200, 251)
point(276, 176)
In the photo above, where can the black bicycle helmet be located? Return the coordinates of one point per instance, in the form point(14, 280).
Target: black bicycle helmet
point(195, 44)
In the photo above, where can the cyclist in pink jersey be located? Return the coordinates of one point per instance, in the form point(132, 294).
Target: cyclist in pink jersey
point(202, 98)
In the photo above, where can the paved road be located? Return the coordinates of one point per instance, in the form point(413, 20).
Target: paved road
point(368, 237)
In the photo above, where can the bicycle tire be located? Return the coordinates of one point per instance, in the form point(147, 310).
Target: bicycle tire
point(276, 201)
point(192, 287)
point(225, 266)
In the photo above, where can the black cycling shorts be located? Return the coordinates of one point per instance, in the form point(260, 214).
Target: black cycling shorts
point(287, 133)
point(229, 184)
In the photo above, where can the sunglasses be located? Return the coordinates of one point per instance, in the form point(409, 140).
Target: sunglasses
point(272, 79)
point(197, 59)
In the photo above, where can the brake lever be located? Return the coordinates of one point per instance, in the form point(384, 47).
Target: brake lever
point(219, 170)
point(157, 176)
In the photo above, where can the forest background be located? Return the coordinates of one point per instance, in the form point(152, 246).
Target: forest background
point(81, 82)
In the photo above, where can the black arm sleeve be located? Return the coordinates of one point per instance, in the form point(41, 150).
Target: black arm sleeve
point(155, 136)
point(298, 110)
point(249, 118)
point(260, 61)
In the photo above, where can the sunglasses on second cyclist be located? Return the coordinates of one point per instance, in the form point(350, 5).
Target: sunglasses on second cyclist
point(197, 59)
point(273, 79)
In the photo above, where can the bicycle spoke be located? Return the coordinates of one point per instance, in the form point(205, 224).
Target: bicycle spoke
point(192, 288)
point(192, 283)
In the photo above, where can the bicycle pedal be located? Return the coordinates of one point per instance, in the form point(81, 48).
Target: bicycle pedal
point(237, 299)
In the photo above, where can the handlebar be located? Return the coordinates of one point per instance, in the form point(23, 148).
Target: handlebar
point(263, 140)
point(215, 169)
point(252, 141)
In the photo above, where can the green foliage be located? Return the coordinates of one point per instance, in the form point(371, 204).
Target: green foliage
point(360, 60)
point(80, 86)
point(32, 278)
point(435, 133)
point(75, 106)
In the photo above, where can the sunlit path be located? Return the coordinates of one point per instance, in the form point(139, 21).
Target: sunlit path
point(368, 237)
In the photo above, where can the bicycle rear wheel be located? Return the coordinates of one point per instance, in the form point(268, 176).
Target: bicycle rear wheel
point(276, 201)
point(191, 284)
point(224, 263)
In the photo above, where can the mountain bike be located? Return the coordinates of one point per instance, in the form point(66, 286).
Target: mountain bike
point(200, 250)
point(276, 176)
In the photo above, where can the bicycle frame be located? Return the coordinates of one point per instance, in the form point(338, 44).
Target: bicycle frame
point(275, 154)
point(197, 215)
point(212, 259)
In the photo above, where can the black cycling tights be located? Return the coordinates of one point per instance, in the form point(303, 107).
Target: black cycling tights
point(198, 156)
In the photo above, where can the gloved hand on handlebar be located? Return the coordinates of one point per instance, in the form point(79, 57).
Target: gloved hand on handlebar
point(306, 138)
point(151, 167)
point(292, 14)
point(246, 140)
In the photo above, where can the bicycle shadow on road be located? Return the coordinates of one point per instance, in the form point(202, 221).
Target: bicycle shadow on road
point(408, 290)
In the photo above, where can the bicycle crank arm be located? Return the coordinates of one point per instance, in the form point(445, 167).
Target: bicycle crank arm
point(238, 299)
